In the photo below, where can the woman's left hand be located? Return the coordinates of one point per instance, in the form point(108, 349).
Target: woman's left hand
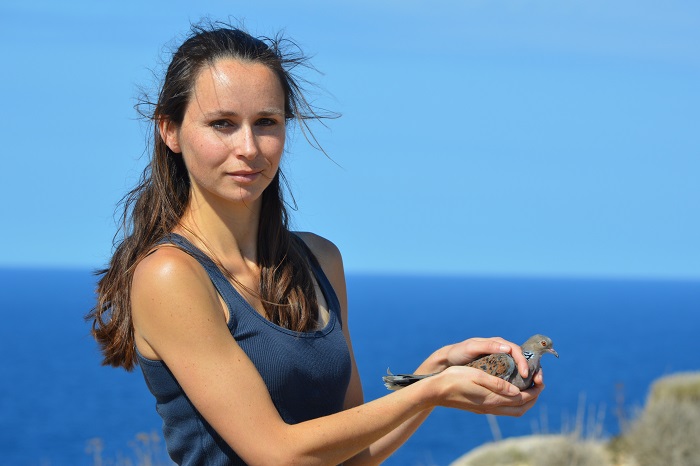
point(467, 351)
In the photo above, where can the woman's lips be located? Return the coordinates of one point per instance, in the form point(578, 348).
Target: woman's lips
point(245, 176)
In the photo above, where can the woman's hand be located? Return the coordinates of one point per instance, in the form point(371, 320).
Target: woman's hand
point(467, 351)
point(473, 390)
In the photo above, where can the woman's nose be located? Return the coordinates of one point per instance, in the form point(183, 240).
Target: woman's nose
point(246, 143)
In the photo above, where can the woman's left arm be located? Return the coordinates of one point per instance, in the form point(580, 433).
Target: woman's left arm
point(331, 262)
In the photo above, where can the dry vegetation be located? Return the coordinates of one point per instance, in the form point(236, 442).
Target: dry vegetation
point(145, 450)
point(666, 432)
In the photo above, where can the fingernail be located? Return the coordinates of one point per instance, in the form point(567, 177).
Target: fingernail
point(505, 348)
point(513, 390)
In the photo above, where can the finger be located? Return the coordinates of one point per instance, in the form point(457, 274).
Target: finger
point(515, 411)
point(469, 350)
point(526, 396)
point(495, 384)
point(517, 354)
point(533, 391)
point(514, 406)
point(539, 377)
point(517, 406)
point(479, 346)
point(537, 389)
point(507, 406)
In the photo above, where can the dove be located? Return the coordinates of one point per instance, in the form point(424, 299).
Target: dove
point(501, 365)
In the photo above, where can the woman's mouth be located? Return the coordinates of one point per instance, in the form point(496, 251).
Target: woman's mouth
point(245, 176)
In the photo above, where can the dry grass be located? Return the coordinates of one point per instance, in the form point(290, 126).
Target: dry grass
point(146, 450)
point(666, 432)
point(580, 443)
point(540, 450)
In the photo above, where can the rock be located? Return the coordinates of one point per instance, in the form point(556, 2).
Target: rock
point(537, 450)
point(681, 387)
point(667, 430)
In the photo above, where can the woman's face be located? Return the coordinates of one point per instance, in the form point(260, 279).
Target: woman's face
point(233, 131)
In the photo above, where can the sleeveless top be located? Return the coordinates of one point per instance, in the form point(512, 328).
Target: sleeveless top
point(306, 373)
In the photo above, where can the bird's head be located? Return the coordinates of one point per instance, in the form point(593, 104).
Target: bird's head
point(540, 344)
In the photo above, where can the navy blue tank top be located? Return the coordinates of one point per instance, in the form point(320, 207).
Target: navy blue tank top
point(306, 373)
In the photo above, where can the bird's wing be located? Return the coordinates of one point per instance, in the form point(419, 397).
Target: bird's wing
point(500, 365)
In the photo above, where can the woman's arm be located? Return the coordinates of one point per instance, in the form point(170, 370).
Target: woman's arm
point(178, 317)
point(331, 261)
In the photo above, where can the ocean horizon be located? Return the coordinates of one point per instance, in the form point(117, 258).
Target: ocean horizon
point(614, 337)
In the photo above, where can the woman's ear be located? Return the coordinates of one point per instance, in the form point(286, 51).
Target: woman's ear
point(170, 134)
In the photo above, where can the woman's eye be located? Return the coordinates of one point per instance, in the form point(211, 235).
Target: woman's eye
point(220, 124)
point(266, 122)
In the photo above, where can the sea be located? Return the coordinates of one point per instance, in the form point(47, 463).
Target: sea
point(59, 406)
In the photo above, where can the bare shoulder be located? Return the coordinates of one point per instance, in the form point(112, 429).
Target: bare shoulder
point(165, 268)
point(325, 251)
point(320, 246)
point(328, 256)
point(171, 294)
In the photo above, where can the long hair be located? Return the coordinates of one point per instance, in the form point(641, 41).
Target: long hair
point(156, 205)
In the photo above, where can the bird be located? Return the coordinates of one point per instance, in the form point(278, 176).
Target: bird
point(501, 365)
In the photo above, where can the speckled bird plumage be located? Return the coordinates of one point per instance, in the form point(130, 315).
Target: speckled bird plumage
point(499, 364)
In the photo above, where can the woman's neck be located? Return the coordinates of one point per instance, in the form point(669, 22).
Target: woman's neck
point(229, 232)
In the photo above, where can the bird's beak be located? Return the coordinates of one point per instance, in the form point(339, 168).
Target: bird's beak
point(551, 350)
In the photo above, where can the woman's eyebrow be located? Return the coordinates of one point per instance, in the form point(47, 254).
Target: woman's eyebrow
point(271, 111)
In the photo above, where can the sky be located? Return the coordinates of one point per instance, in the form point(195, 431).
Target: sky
point(506, 138)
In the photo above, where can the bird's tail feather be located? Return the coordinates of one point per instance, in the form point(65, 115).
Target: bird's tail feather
point(397, 381)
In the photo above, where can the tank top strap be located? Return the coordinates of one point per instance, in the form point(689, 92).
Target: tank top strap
point(221, 283)
point(332, 300)
point(229, 293)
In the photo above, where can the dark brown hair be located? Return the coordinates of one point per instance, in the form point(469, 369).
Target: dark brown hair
point(155, 206)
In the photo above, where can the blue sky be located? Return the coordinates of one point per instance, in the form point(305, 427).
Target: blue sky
point(492, 138)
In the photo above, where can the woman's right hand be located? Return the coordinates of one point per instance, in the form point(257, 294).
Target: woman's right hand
point(473, 390)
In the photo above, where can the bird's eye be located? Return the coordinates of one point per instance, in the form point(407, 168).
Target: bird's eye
point(543, 343)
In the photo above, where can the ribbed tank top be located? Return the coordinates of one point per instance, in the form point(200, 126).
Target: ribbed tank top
point(306, 373)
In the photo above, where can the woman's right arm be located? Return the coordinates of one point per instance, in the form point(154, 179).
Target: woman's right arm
point(178, 318)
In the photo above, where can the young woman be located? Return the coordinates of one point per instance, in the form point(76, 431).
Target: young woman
point(239, 325)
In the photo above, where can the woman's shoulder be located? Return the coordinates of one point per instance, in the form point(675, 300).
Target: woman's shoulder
point(171, 294)
point(168, 268)
point(320, 246)
point(328, 256)
point(167, 260)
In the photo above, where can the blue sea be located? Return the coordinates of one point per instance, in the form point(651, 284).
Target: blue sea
point(58, 406)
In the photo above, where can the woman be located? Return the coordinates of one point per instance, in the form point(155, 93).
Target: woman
point(239, 325)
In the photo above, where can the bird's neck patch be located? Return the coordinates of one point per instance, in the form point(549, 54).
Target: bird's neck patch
point(528, 355)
